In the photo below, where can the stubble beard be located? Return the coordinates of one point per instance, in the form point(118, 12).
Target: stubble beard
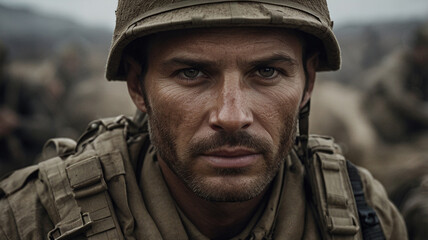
point(162, 137)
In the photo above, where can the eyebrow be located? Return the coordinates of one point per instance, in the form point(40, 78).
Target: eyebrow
point(193, 62)
point(274, 58)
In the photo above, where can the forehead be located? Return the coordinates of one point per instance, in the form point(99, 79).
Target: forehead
point(223, 38)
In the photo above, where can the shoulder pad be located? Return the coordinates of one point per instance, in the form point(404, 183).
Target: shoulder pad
point(17, 180)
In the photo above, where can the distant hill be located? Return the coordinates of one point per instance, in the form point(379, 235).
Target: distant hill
point(29, 35)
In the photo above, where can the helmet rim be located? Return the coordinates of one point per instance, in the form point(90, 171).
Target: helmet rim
point(213, 15)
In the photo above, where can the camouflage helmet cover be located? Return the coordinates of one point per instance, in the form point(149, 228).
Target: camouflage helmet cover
point(135, 19)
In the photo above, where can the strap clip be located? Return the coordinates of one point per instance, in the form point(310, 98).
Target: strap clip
point(71, 229)
point(343, 226)
point(367, 217)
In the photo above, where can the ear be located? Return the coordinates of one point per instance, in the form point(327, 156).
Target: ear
point(133, 80)
point(311, 66)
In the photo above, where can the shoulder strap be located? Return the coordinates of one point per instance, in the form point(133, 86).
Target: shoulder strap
point(79, 184)
point(331, 190)
point(370, 224)
point(337, 194)
point(69, 218)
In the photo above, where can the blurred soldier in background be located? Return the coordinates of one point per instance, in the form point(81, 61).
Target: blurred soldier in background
point(80, 95)
point(398, 108)
point(70, 68)
point(24, 120)
point(398, 102)
point(72, 64)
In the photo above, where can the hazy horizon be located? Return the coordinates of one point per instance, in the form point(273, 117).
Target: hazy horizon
point(342, 12)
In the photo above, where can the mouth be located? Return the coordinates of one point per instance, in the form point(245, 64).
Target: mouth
point(231, 157)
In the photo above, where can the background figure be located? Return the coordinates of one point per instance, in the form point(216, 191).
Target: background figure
point(24, 120)
point(397, 106)
point(397, 103)
point(381, 121)
point(70, 68)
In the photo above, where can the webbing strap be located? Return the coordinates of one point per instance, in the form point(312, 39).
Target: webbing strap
point(331, 191)
point(82, 203)
point(79, 185)
point(339, 217)
point(70, 220)
point(370, 225)
point(87, 181)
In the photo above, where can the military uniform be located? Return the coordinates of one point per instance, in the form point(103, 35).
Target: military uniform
point(112, 175)
point(110, 186)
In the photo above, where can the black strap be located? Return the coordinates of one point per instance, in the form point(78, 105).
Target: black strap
point(370, 225)
point(304, 133)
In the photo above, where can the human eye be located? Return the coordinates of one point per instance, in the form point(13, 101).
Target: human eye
point(190, 73)
point(267, 72)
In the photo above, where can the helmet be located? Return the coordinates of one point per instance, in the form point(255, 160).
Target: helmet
point(135, 19)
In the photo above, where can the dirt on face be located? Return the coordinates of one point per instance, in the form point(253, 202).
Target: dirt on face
point(223, 105)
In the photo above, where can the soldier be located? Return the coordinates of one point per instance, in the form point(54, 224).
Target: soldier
point(223, 87)
point(398, 107)
point(397, 101)
point(24, 121)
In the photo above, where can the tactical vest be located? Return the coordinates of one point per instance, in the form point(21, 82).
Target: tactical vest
point(76, 175)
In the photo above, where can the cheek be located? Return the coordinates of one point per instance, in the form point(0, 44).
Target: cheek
point(277, 107)
point(183, 109)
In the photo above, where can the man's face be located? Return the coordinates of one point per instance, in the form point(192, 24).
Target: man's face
point(222, 106)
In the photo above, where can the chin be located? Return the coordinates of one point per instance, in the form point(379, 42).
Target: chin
point(230, 188)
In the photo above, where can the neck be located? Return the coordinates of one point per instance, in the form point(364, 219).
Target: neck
point(216, 220)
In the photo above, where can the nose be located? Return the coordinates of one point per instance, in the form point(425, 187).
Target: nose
point(232, 112)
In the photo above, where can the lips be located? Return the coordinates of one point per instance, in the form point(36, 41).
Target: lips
point(231, 157)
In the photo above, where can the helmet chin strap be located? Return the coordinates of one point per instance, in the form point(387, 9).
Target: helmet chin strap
point(303, 137)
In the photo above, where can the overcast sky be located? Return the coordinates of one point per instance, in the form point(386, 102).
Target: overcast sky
point(101, 12)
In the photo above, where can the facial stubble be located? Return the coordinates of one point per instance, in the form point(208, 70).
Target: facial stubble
point(164, 140)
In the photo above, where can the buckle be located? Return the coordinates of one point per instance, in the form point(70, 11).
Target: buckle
point(71, 229)
point(368, 217)
point(343, 226)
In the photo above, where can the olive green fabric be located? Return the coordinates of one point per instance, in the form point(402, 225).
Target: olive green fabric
point(145, 209)
point(136, 19)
